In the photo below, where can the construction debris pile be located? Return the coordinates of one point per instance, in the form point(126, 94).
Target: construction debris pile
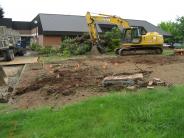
point(63, 81)
point(131, 82)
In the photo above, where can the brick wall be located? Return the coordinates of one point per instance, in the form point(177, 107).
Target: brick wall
point(54, 41)
point(45, 41)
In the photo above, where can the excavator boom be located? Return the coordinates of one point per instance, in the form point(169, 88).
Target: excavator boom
point(91, 22)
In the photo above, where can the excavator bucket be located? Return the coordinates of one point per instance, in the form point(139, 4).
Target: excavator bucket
point(3, 77)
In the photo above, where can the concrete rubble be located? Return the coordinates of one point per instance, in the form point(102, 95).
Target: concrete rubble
point(123, 80)
point(131, 82)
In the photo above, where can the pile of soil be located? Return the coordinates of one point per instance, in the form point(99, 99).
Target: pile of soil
point(65, 81)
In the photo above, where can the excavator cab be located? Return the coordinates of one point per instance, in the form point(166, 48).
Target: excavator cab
point(133, 34)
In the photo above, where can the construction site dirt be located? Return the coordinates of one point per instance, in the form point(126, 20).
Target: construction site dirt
point(73, 80)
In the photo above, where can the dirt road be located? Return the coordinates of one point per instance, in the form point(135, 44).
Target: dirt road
point(72, 80)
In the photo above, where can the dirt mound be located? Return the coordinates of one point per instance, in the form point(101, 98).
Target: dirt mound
point(65, 81)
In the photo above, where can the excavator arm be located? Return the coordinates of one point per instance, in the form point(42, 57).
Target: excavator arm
point(92, 26)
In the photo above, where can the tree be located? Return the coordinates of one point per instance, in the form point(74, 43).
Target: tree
point(175, 28)
point(1, 12)
point(180, 28)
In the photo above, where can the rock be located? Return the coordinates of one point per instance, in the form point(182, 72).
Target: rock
point(141, 83)
point(56, 96)
point(131, 88)
point(3, 100)
point(11, 101)
point(158, 82)
point(67, 92)
point(123, 80)
point(57, 76)
point(150, 87)
point(4, 97)
point(150, 83)
point(156, 79)
point(161, 83)
point(10, 89)
point(51, 90)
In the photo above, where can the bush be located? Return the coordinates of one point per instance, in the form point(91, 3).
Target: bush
point(47, 51)
point(70, 46)
point(83, 49)
point(35, 47)
point(112, 40)
point(74, 47)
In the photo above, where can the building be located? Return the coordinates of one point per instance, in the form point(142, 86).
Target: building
point(51, 29)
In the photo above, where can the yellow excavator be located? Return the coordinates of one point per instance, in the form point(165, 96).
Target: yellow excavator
point(133, 38)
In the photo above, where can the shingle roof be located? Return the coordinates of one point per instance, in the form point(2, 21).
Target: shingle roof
point(73, 23)
point(65, 23)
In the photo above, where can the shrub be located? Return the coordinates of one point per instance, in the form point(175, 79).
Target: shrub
point(112, 39)
point(48, 51)
point(70, 46)
point(82, 49)
point(74, 46)
point(35, 47)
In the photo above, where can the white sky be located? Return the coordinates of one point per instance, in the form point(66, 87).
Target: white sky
point(153, 11)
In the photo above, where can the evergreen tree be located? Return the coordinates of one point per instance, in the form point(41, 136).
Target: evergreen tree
point(1, 12)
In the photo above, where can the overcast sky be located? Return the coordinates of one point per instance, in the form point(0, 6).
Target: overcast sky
point(153, 11)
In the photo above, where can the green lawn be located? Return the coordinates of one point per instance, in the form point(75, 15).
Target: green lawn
point(168, 52)
point(157, 113)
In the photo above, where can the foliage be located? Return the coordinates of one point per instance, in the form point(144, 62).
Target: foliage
point(180, 27)
point(35, 47)
point(69, 46)
point(176, 28)
point(156, 113)
point(1, 12)
point(75, 46)
point(112, 39)
point(47, 51)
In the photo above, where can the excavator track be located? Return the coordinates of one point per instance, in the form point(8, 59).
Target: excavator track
point(139, 50)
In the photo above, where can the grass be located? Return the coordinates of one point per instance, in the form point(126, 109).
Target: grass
point(157, 113)
point(168, 52)
point(56, 58)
